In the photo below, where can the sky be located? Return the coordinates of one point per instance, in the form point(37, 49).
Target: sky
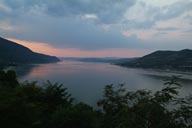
point(98, 28)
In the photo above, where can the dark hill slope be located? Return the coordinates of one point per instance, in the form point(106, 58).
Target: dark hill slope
point(173, 60)
point(12, 52)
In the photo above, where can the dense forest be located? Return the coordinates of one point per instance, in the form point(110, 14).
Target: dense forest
point(30, 105)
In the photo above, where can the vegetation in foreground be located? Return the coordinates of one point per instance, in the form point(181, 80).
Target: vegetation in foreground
point(27, 105)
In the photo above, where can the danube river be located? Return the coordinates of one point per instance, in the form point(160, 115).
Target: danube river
point(85, 81)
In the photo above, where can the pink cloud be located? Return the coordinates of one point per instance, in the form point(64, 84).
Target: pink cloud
point(73, 52)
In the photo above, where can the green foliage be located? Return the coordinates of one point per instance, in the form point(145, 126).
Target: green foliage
point(77, 116)
point(30, 105)
point(55, 95)
point(144, 109)
point(8, 79)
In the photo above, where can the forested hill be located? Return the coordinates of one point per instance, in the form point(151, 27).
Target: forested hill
point(173, 60)
point(11, 52)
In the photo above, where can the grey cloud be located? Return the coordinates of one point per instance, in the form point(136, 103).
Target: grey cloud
point(188, 31)
point(156, 14)
point(108, 11)
point(167, 29)
point(70, 33)
point(58, 22)
point(129, 24)
point(188, 18)
point(174, 10)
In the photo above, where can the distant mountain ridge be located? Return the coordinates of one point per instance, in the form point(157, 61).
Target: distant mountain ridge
point(172, 60)
point(11, 52)
point(98, 59)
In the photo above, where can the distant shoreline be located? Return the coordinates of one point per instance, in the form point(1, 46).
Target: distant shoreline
point(160, 70)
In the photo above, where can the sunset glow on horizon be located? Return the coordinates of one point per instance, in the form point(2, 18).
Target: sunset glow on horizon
point(72, 52)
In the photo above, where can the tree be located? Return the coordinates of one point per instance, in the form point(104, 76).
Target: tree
point(77, 116)
point(144, 109)
point(54, 95)
point(8, 79)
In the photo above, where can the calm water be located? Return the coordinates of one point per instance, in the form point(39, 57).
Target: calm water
point(86, 80)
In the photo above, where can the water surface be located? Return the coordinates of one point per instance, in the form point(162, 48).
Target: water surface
point(86, 80)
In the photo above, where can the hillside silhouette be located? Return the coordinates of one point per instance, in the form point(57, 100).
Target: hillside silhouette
point(11, 52)
point(173, 60)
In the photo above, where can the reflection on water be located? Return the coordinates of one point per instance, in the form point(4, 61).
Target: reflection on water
point(25, 70)
point(87, 80)
point(182, 80)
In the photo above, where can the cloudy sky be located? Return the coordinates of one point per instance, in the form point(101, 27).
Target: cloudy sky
point(100, 28)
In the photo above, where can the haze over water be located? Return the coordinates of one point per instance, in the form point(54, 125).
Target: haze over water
point(86, 80)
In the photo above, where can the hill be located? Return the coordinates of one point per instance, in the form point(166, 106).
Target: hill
point(11, 52)
point(171, 60)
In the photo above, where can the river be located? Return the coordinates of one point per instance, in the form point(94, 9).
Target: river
point(85, 80)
